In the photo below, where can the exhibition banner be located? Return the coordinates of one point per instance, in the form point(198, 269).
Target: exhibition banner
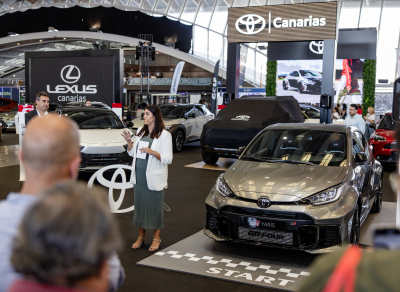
point(214, 88)
point(177, 77)
point(73, 79)
point(280, 23)
point(303, 78)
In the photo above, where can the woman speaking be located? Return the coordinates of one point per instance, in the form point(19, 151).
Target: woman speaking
point(151, 150)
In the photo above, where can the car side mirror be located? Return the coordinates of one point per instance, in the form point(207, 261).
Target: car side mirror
point(361, 157)
point(240, 151)
point(129, 124)
point(373, 126)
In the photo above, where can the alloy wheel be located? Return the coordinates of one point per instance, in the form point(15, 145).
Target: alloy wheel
point(179, 141)
point(355, 232)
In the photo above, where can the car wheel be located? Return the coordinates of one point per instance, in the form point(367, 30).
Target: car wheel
point(178, 141)
point(355, 227)
point(209, 158)
point(284, 86)
point(376, 207)
point(300, 87)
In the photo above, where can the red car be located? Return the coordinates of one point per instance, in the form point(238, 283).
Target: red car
point(6, 104)
point(383, 141)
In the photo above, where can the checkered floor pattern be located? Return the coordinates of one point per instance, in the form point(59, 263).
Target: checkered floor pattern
point(230, 264)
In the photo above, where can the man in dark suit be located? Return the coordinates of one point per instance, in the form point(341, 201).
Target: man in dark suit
point(42, 104)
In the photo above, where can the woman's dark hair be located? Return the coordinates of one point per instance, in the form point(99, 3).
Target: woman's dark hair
point(158, 123)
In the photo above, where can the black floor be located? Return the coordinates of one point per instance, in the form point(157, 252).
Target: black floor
point(186, 193)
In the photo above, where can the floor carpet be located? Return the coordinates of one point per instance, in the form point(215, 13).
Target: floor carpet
point(186, 193)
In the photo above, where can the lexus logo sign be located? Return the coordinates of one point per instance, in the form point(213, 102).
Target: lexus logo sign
point(70, 74)
point(250, 24)
point(264, 202)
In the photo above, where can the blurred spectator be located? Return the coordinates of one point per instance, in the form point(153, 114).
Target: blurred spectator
point(64, 241)
point(359, 110)
point(339, 110)
point(50, 154)
point(369, 119)
point(355, 119)
point(335, 114)
point(88, 102)
point(367, 271)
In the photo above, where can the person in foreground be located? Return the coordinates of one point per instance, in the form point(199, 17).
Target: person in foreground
point(64, 242)
point(50, 154)
point(354, 119)
point(151, 150)
point(356, 269)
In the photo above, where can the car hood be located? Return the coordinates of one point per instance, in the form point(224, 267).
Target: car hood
point(314, 78)
point(7, 115)
point(388, 134)
point(99, 137)
point(281, 181)
point(167, 122)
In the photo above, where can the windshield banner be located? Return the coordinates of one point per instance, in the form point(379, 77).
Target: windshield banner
point(214, 88)
point(177, 77)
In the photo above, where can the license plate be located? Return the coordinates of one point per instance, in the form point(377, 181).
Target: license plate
point(268, 236)
point(262, 223)
point(101, 159)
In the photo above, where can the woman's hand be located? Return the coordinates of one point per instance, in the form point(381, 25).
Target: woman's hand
point(126, 135)
point(147, 150)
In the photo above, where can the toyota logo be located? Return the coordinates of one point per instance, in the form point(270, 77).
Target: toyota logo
point(111, 185)
point(317, 47)
point(252, 23)
point(264, 202)
point(70, 74)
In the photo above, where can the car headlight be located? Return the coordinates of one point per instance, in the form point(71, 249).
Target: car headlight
point(81, 147)
point(222, 187)
point(328, 196)
point(309, 81)
point(168, 127)
point(378, 137)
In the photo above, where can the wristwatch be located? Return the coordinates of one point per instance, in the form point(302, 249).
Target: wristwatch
point(155, 154)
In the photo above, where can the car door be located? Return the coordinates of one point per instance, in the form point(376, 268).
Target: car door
point(190, 122)
point(292, 81)
point(362, 172)
point(296, 76)
point(201, 117)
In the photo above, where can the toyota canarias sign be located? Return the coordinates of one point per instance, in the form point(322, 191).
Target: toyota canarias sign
point(275, 23)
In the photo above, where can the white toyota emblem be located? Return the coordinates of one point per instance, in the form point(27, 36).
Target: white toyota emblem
point(70, 74)
point(111, 185)
point(317, 47)
point(241, 118)
point(250, 22)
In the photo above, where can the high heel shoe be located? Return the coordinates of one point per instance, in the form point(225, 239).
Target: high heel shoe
point(134, 246)
point(155, 248)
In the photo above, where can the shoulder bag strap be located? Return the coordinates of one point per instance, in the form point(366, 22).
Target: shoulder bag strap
point(343, 277)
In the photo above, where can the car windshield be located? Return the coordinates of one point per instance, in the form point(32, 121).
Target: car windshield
point(311, 113)
point(307, 73)
point(386, 123)
point(172, 111)
point(95, 119)
point(299, 146)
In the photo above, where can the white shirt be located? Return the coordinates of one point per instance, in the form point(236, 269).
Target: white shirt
point(45, 114)
point(370, 117)
point(157, 171)
point(356, 121)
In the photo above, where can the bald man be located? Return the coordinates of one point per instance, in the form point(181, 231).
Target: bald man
point(50, 153)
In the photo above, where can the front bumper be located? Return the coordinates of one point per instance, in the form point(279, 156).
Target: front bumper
point(385, 152)
point(221, 152)
point(93, 162)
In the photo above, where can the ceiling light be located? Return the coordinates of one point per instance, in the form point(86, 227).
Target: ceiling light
point(65, 38)
point(18, 44)
point(40, 40)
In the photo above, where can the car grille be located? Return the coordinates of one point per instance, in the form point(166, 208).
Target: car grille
point(264, 213)
point(268, 236)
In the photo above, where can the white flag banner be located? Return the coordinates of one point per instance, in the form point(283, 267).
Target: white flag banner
point(398, 62)
point(177, 77)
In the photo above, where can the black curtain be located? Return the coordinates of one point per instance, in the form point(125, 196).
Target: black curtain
point(108, 20)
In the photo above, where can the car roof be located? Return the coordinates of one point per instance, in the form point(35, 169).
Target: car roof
point(180, 104)
point(85, 109)
point(310, 126)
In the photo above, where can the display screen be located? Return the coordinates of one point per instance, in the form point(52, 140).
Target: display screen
point(303, 80)
point(73, 79)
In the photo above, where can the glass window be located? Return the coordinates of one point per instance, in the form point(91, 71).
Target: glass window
point(295, 74)
point(370, 13)
point(220, 16)
point(386, 123)
point(240, 3)
point(250, 65)
point(189, 12)
point(298, 146)
point(175, 7)
point(388, 40)
point(161, 6)
point(148, 4)
point(200, 42)
point(198, 112)
point(276, 2)
point(359, 137)
point(349, 14)
point(215, 47)
point(258, 2)
point(204, 15)
point(225, 56)
point(135, 3)
point(172, 111)
point(261, 68)
point(95, 119)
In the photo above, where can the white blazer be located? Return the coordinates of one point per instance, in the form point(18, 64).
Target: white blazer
point(157, 171)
